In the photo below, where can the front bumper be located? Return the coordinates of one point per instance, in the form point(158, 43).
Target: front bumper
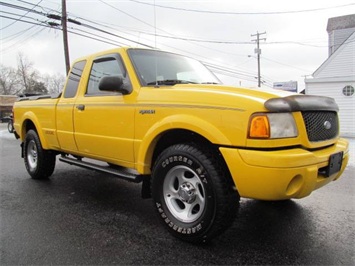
point(282, 174)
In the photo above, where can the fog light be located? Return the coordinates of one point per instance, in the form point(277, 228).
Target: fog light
point(295, 185)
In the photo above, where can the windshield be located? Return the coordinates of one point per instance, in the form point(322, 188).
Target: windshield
point(161, 68)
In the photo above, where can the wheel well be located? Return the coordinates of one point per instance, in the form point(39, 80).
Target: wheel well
point(167, 139)
point(178, 136)
point(28, 125)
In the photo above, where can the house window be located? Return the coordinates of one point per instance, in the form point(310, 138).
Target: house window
point(348, 90)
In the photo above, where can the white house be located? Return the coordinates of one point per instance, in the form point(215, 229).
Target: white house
point(336, 76)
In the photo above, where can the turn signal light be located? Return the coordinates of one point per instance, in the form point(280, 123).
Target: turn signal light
point(259, 127)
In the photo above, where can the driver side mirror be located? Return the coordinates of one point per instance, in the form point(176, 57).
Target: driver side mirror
point(115, 84)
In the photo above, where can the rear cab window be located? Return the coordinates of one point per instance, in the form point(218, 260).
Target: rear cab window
point(74, 79)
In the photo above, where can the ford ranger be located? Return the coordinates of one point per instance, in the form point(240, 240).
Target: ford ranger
point(196, 145)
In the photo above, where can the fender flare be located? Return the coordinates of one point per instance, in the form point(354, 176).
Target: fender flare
point(180, 121)
point(32, 117)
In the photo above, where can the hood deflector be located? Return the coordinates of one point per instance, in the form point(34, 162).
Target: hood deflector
point(296, 103)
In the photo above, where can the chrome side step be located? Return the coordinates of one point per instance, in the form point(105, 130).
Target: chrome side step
point(121, 172)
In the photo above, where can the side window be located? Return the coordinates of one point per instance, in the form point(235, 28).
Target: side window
point(109, 66)
point(74, 79)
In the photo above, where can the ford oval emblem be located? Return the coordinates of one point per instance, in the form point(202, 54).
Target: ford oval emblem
point(327, 125)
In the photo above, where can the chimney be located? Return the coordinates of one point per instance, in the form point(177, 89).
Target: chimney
point(339, 29)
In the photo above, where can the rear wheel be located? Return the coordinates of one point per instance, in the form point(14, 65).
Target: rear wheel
point(193, 193)
point(10, 127)
point(39, 163)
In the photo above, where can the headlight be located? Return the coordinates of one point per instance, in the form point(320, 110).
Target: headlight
point(272, 126)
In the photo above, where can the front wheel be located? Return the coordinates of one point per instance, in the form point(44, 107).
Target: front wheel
point(39, 163)
point(193, 192)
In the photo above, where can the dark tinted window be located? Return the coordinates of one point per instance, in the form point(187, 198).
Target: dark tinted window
point(109, 66)
point(74, 79)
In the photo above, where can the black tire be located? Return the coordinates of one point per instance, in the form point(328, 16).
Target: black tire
point(10, 127)
point(193, 193)
point(39, 163)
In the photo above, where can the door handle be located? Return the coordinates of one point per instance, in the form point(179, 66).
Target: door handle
point(80, 107)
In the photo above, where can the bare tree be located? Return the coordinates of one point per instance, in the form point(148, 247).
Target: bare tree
point(24, 71)
point(29, 77)
point(9, 83)
point(26, 79)
point(54, 83)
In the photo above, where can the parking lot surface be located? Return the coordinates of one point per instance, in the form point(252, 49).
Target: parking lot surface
point(82, 217)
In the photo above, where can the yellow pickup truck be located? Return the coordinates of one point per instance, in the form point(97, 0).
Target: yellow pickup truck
point(197, 146)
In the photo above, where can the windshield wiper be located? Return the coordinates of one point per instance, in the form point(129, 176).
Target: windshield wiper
point(171, 82)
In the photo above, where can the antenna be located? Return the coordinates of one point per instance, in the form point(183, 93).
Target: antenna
point(155, 27)
point(155, 47)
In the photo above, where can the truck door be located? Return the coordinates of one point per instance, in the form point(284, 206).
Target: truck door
point(104, 121)
point(65, 106)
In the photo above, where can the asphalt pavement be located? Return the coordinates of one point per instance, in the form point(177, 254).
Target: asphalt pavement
point(80, 217)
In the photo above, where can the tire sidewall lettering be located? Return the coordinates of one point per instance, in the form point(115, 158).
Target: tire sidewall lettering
point(196, 167)
point(199, 226)
point(177, 158)
point(177, 228)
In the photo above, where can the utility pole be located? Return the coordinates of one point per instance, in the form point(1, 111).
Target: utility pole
point(65, 35)
point(258, 52)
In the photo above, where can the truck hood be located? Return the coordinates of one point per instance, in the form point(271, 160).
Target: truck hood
point(211, 95)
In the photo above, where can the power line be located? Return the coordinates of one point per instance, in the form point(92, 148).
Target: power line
point(57, 17)
point(230, 69)
point(171, 36)
point(222, 70)
point(21, 16)
point(22, 42)
point(219, 69)
point(140, 32)
point(101, 39)
point(95, 28)
point(39, 23)
point(154, 34)
point(109, 33)
point(127, 14)
point(21, 8)
point(45, 9)
point(95, 37)
point(283, 64)
point(17, 34)
point(73, 31)
point(231, 73)
point(243, 13)
point(297, 43)
point(200, 40)
point(190, 39)
point(17, 15)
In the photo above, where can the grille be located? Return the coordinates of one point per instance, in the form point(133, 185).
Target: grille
point(321, 125)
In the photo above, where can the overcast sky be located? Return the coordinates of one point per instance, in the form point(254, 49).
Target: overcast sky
point(214, 31)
